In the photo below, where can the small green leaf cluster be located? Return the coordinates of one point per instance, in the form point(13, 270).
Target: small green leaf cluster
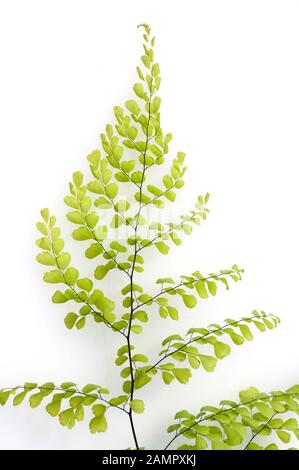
point(203, 285)
point(68, 402)
point(234, 331)
point(237, 425)
point(80, 290)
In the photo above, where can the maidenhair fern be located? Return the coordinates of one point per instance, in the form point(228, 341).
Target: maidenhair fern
point(132, 149)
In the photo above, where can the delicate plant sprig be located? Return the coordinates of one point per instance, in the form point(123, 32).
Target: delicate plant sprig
point(131, 150)
point(238, 425)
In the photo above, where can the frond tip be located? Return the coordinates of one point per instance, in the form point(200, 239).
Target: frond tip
point(146, 27)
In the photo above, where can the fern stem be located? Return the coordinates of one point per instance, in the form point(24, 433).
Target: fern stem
point(187, 283)
point(259, 431)
point(133, 267)
point(197, 338)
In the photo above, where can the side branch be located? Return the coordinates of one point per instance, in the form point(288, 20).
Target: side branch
point(189, 283)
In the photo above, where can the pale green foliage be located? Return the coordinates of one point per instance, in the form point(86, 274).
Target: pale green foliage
point(131, 149)
point(234, 425)
point(67, 402)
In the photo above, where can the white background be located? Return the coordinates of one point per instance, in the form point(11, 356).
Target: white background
point(230, 96)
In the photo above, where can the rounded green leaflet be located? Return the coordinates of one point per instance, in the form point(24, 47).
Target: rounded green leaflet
point(154, 190)
point(173, 312)
point(201, 289)
point(19, 398)
point(284, 436)
point(70, 320)
point(94, 158)
point(53, 277)
point(46, 258)
point(137, 329)
point(45, 214)
point(98, 424)
point(138, 88)
point(85, 284)
point(93, 251)
point(194, 362)
point(168, 181)
point(105, 305)
point(221, 349)
point(44, 243)
point(133, 107)
point(92, 219)
point(63, 260)
point(76, 217)
point(155, 104)
point(137, 406)
point(118, 247)
point(128, 165)
point(162, 247)
point(212, 287)
point(59, 297)
point(42, 228)
point(118, 400)
point(101, 272)
point(78, 178)
point(189, 300)
point(36, 399)
point(139, 358)
point(80, 323)
point(141, 315)
point(96, 187)
point(72, 201)
point(121, 177)
point(183, 375)
point(58, 245)
point(208, 362)
point(141, 380)
point(66, 418)
point(244, 329)
point(82, 234)
point(71, 275)
point(163, 312)
point(167, 377)
point(111, 190)
point(53, 408)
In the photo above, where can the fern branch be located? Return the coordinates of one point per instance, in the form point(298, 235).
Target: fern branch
point(202, 338)
point(58, 389)
point(133, 268)
point(127, 222)
point(78, 295)
point(170, 230)
point(260, 430)
point(92, 233)
point(186, 283)
point(232, 408)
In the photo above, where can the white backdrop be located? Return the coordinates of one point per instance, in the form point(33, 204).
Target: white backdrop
point(230, 96)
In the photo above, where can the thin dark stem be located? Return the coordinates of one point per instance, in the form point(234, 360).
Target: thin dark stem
point(133, 429)
point(158, 197)
point(133, 270)
point(166, 231)
point(260, 430)
point(132, 392)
